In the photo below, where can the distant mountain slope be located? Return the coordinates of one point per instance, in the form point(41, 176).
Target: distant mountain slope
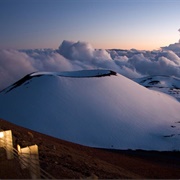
point(166, 84)
point(96, 108)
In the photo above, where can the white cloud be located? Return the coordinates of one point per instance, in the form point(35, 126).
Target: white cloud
point(130, 73)
point(16, 64)
point(13, 66)
point(81, 51)
point(172, 47)
point(52, 61)
point(132, 63)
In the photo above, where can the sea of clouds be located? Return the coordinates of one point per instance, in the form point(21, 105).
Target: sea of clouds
point(14, 64)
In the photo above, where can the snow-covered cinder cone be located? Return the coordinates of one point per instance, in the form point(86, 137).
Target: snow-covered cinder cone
point(98, 108)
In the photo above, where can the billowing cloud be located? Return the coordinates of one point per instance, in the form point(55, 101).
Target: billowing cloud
point(82, 51)
point(172, 47)
point(161, 65)
point(14, 64)
point(48, 60)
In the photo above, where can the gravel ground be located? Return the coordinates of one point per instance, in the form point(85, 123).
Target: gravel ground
point(65, 160)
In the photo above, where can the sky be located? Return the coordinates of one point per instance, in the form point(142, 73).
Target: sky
point(106, 24)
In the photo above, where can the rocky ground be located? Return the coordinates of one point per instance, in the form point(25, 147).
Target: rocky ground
point(65, 160)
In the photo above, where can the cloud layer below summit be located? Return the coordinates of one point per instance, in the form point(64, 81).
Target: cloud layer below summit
point(14, 64)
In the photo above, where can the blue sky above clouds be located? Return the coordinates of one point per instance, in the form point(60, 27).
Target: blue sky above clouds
point(79, 33)
point(105, 24)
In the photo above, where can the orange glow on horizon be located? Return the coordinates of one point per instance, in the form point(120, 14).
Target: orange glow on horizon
point(139, 46)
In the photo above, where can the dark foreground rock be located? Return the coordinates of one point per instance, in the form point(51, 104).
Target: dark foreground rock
point(63, 159)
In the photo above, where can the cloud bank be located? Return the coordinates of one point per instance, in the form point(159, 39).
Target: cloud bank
point(14, 64)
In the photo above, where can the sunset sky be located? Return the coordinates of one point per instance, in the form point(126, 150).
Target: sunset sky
point(106, 24)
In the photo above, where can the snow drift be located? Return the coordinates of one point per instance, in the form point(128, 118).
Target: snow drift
point(166, 84)
point(97, 108)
